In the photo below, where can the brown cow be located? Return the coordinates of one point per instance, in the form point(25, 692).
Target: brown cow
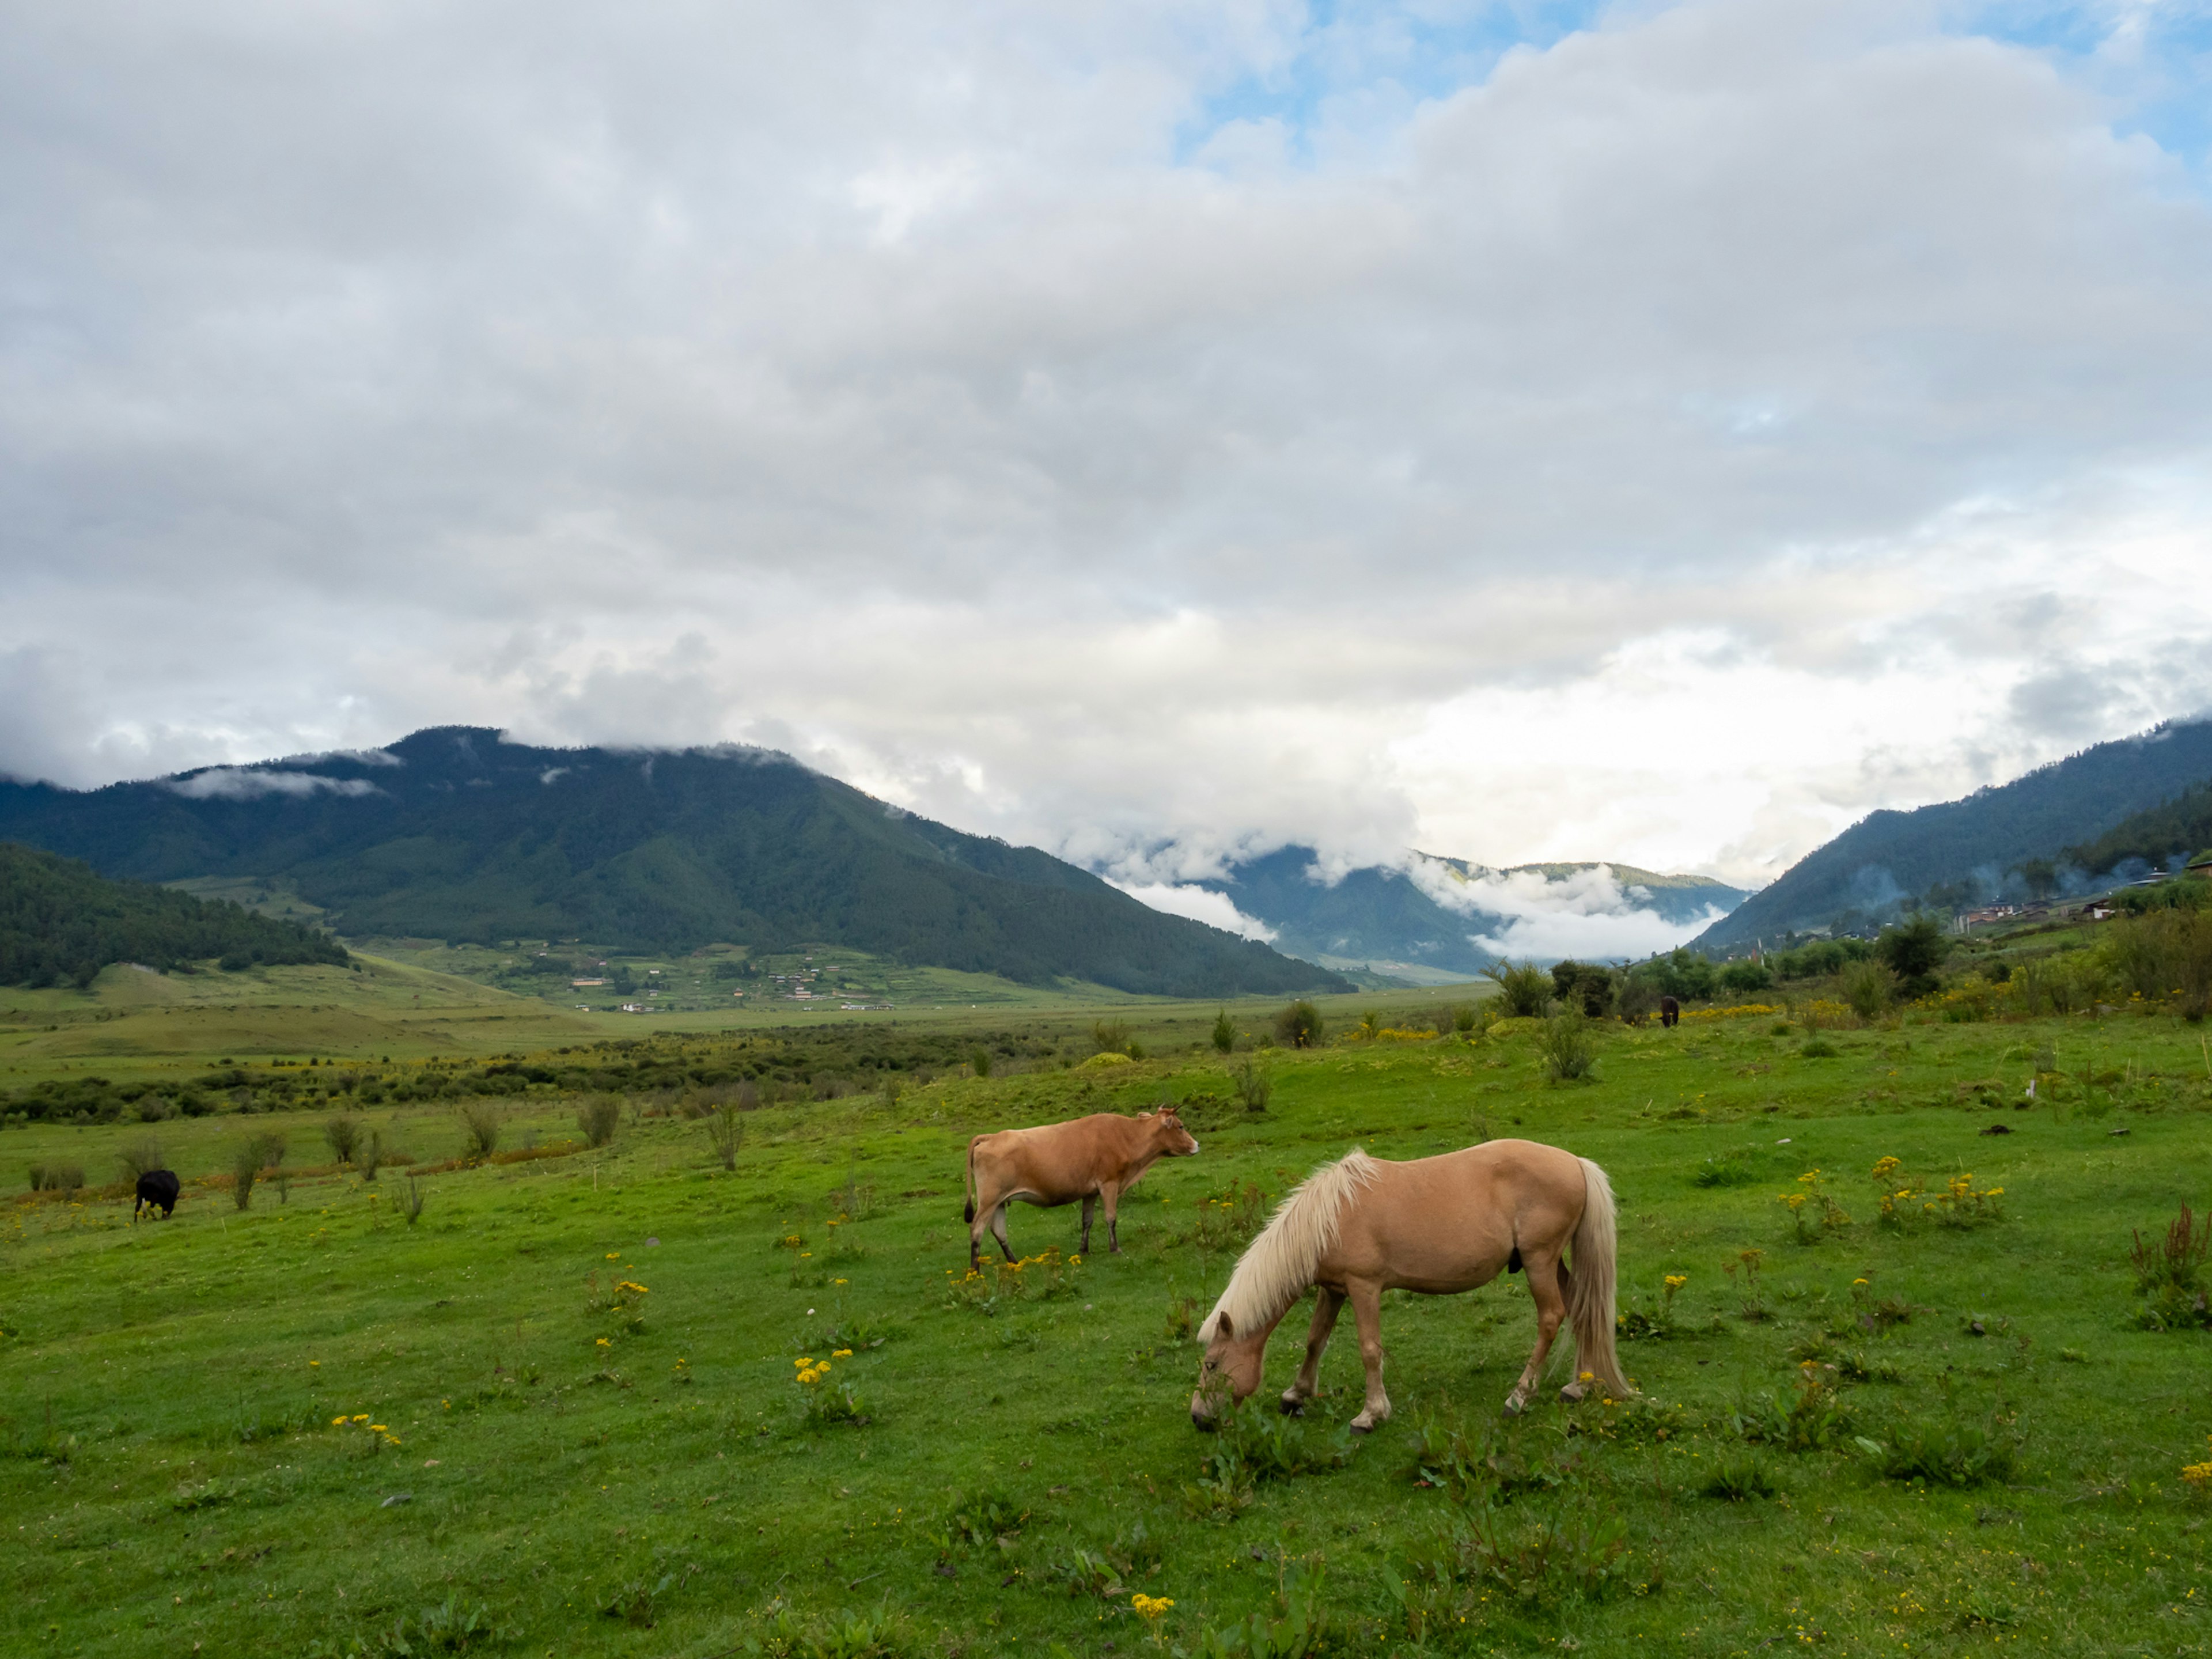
point(1102, 1156)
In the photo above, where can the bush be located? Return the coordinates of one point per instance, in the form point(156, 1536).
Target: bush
point(1635, 998)
point(2164, 953)
point(1299, 1025)
point(1225, 1032)
point(481, 1123)
point(725, 1133)
point(598, 1118)
point(56, 1177)
point(1744, 976)
point(1947, 1453)
point(245, 1170)
point(1913, 952)
point(368, 1154)
point(1253, 1086)
point(1568, 1051)
point(1524, 988)
point(1585, 984)
point(2167, 1266)
point(140, 1156)
point(1868, 985)
point(342, 1134)
point(1110, 1036)
point(411, 1194)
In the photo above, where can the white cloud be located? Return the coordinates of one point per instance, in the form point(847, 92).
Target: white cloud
point(1664, 444)
point(233, 783)
point(1199, 904)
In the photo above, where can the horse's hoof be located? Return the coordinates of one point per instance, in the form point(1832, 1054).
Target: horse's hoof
point(1292, 1406)
point(1515, 1405)
point(1570, 1394)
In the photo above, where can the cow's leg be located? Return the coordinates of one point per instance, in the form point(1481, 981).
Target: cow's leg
point(1367, 1311)
point(1112, 1194)
point(1543, 1273)
point(998, 1228)
point(1090, 1206)
point(1327, 1305)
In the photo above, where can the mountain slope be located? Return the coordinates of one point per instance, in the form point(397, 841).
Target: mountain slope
point(1867, 872)
point(1380, 914)
point(2181, 827)
point(60, 922)
point(454, 833)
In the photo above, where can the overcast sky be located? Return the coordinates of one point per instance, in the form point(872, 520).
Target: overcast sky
point(1662, 432)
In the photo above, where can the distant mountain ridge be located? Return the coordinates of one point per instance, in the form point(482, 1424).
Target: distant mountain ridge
point(452, 832)
point(1868, 872)
point(1380, 914)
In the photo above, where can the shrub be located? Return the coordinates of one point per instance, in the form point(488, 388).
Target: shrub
point(725, 1133)
point(1253, 1086)
point(979, 1061)
point(1110, 1036)
point(1635, 998)
point(56, 1177)
point(1729, 1169)
point(1525, 988)
point(481, 1123)
point(598, 1118)
point(1819, 1049)
point(151, 1108)
point(1299, 1025)
point(1586, 985)
point(245, 1170)
point(1813, 1213)
point(1737, 1476)
point(1950, 1453)
point(1742, 976)
point(1225, 1032)
point(1866, 985)
point(2164, 953)
point(412, 1195)
point(1913, 951)
point(1568, 1050)
point(141, 1156)
point(368, 1154)
point(342, 1134)
point(2167, 1266)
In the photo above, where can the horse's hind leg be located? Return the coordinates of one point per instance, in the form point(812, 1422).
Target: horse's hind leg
point(1367, 1311)
point(1550, 1310)
point(1574, 1389)
point(1327, 1305)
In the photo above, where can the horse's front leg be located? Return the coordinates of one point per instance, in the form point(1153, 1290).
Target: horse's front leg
point(1551, 1310)
point(1367, 1311)
point(1327, 1305)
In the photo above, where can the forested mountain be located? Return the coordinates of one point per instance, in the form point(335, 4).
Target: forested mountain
point(454, 833)
point(1973, 846)
point(61, 923)
point(1381, 915)
point(2180, 827)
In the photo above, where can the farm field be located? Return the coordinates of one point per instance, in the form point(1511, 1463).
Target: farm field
point(561, 1410)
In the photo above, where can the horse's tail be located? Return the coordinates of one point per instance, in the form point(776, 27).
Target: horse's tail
point(1590, 1290)
point(968, 1215)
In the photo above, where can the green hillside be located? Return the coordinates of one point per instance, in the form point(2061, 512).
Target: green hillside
point(1970, 847)
point(2181, 826)
point(455, 834)
point(61, 923)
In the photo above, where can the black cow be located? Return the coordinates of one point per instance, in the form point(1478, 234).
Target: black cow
point(157, 1187)
point(1669, 1010)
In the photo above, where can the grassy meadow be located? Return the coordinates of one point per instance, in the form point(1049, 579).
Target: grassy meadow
point(560, 1410)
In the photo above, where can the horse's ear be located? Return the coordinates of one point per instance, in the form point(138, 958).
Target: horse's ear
point(1223, 1326)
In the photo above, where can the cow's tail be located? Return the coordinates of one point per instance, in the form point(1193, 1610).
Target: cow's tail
point(1590, 1290)
point(969, 1214)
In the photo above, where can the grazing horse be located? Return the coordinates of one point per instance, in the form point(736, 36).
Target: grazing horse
point(157, 1187)
point(1439, 1225)
point(1095, 1157)
point(1669, 1010)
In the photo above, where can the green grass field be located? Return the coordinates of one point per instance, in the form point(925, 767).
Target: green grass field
point(557, 1473)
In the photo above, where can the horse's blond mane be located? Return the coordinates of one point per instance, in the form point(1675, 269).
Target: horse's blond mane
point(1279, 1265)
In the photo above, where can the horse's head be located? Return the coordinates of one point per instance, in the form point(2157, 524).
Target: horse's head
point(1231, 1371)
point(1174, 1140)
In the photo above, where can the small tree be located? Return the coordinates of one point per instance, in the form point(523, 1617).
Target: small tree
point(1111, 1036)
point(1225, 1032)
point(1254, 1087)
point(245, 1170)
point(140, 1156)
point(1913, 952)
point(1866, 985)
point(1525, 988)
point(1636, 998)
point(2038, 876)
point(1568, 1054)
point(481, 1123)
point(598, 1118)
point(979, 1057)
point(343, 1135)
point(368, 1155)
point(726, 1132)
point(1299, 1025)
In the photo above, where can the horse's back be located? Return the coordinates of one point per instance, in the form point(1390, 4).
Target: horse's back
point(1439, 1219)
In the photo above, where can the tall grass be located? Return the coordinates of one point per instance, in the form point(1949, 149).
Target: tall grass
point(1523, 987)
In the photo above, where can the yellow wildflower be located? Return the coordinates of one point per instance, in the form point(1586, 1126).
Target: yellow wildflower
point(338, 1422)
point(1151, 1607)
point(842, 1353)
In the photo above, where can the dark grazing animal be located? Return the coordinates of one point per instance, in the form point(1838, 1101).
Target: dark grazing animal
point(1669, 1010)
point(157, 1187)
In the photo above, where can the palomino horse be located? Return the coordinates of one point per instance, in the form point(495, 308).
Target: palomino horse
point(1438, 1225)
